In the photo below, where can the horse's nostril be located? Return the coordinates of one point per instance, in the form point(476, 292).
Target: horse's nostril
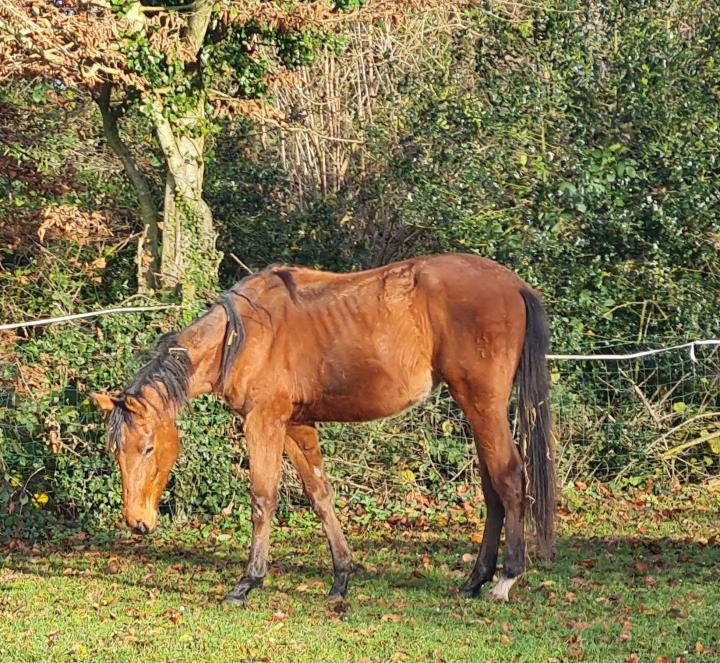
point(141, 527)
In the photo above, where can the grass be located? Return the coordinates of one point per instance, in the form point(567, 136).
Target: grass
point(634, 579)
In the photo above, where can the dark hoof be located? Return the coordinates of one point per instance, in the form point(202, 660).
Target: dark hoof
point(340, 586)
point(470, 591)
point(340, 581)
point(236, 599)
point(239, 594)
point(471, 587)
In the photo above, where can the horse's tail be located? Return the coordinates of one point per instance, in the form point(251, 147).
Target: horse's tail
point(533, 385)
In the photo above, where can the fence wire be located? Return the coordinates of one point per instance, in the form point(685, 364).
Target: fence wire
point(654, 417)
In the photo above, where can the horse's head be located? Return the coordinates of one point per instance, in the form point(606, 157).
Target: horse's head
point(144, 440)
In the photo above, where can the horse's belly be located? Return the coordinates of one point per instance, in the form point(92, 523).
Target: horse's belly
point(382, 395)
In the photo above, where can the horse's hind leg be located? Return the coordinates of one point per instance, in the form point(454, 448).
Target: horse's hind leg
point(486, 561)
point(502, 485)
point(303, 447)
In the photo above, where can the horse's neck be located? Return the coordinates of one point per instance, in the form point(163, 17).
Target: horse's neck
point(203, 340)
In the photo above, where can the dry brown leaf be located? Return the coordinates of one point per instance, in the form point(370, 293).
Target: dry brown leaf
point(390, 617)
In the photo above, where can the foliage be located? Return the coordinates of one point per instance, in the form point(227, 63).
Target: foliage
point(579, 148)
point(576, 144)
point(173, 62)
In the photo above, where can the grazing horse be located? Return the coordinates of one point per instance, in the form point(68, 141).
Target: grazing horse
point(290, 347)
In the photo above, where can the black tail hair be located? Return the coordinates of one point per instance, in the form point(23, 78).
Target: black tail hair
point(533, 383)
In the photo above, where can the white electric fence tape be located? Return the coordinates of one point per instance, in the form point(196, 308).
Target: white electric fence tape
point(636, 355)
point(552, 357)
point(79, 316)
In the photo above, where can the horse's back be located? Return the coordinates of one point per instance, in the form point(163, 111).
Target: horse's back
point(368, 344)
point(365, 350)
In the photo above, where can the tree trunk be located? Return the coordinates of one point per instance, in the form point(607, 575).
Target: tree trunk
point(190, 258)
point(148, 256)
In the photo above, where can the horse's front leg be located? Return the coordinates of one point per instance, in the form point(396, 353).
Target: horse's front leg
point(265, 435)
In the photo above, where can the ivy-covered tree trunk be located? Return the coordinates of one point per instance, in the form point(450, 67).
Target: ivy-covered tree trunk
point(148, 255)
point(190, 258)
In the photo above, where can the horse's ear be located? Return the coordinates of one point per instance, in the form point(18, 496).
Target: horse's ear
point(104, 402)
point(135, 405)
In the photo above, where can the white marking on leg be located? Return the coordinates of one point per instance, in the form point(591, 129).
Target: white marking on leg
point(500, 591)
point(318, 472)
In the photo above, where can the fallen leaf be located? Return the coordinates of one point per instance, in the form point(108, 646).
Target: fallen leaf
point(340, 606)
point(390, 617)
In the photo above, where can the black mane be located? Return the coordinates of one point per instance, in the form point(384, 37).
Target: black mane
point(234, 338)
point(169, 365)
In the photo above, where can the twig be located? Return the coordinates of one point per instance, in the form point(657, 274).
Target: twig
point(241, 263)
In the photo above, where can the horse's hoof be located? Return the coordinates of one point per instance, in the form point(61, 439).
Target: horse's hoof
point(469, 591)
point(499, 593)
point(497, 597)
point(238, 595)
point(472, 587)
point(236, 599)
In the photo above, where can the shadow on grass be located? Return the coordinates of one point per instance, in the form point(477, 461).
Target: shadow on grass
point(397, 564)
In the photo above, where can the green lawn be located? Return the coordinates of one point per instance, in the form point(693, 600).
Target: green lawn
point(634, 579)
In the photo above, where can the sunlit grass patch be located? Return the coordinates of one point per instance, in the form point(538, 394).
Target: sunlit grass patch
point(632, 578)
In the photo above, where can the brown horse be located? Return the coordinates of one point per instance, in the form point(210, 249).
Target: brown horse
point(290, 347)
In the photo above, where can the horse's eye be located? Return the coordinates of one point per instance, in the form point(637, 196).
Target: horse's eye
point(149, 450)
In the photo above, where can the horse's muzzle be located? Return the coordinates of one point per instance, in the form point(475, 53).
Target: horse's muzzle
point(142, 528)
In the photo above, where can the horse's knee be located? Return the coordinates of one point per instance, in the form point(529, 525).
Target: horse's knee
point(264, 506)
